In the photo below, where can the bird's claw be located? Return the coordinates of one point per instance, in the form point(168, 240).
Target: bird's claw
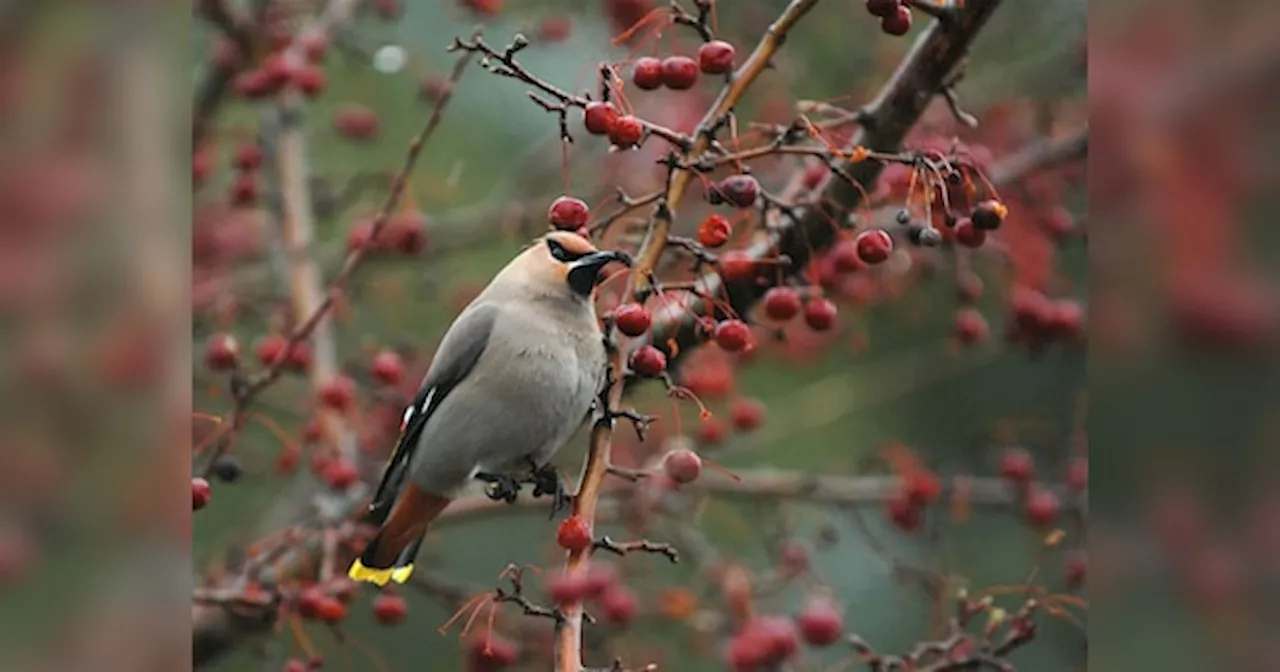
point(500, 487)
point(546, 481)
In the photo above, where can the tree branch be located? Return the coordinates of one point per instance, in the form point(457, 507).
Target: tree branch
point(568, 647)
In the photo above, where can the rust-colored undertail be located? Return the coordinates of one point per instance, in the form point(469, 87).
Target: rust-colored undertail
point(390, 554)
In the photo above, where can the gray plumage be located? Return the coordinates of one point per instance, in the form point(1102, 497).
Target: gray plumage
point(540, 368)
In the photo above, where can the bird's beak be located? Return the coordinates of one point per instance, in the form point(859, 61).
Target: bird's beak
point(584, 272)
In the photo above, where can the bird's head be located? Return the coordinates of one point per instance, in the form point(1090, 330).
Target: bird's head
point(563, 263)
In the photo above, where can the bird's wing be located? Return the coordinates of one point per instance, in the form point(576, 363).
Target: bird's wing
point(457, 355)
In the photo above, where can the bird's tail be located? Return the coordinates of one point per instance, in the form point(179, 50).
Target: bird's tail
point(390, 554)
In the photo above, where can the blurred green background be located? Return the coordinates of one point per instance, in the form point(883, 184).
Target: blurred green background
point(829, 415)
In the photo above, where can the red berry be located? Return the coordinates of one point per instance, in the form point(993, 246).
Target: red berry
point(339, 474)
point(310, 80)
point(679, 72)
point(903, 512)
point(882, 8)
point(626, 131)
point(599, 578)
point(248, 156)
point(794, 558)
point(359, 235)
point(820, 314)
point(632, 319)
point(389, 609)
point(714, 231)
point(747, 414)
point(968, 234)
point(716, 57)
point(844, 257)
point(556, 28)
point(648, 361)
point(739, 190)
point(781, 303)
point(682, 465)
point(405, 232)
point(574, 534)
point(620, 605)
point(711, 431)
point(314, 46)
point(921, 487)
point(737, 266)
point(598, 117)
point(897, 23)
point(1066, 318)
point(309, 601)
point(221, 352)
point(295, 665)
point(388, 10)
point(820, 622)
point(331, 610)
point(779, 633)
point(299, 358)
point(1042, 507)
point(1017, 466)
point(734, 336)
point(253, 84)
point(387, 367)
point(1075, 568)
point(647, 74)
point(244, 190)
point(970, 326)
point(491, 653)
point(567, 213)
point(874, 245)
point(1058, 223)
point(338, 393)
point(201, 165)
point(567, 588)
point(201, 493)
point(1078, 474)
point(988, 215)
point(356, 122)
point(814, 174)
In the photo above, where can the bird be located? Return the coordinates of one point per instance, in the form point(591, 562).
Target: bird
point(514, 377)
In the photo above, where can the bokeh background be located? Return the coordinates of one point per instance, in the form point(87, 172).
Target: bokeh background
point(104, 321)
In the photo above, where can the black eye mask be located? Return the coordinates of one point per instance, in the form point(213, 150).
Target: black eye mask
point(561, 253)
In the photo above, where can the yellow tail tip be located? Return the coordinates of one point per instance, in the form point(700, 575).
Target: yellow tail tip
point(379, 577)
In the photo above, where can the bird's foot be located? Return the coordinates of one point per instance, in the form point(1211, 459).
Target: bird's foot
point(500, 487)
point(546, 481)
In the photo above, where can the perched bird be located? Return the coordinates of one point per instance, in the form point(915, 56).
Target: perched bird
point(513, 379)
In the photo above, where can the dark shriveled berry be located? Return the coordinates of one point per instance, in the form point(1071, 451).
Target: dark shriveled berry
point(898, 23)
point(988, 215)
point(739, 190)
point(882, 8)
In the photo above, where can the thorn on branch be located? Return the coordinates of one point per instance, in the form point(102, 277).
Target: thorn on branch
point(641, 423)
point(605, 543)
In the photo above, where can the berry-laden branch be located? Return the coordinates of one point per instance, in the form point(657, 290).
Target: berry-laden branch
point(568, 647)
point(884, 124)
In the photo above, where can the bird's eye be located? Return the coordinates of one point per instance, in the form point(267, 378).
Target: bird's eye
point(560, 252)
